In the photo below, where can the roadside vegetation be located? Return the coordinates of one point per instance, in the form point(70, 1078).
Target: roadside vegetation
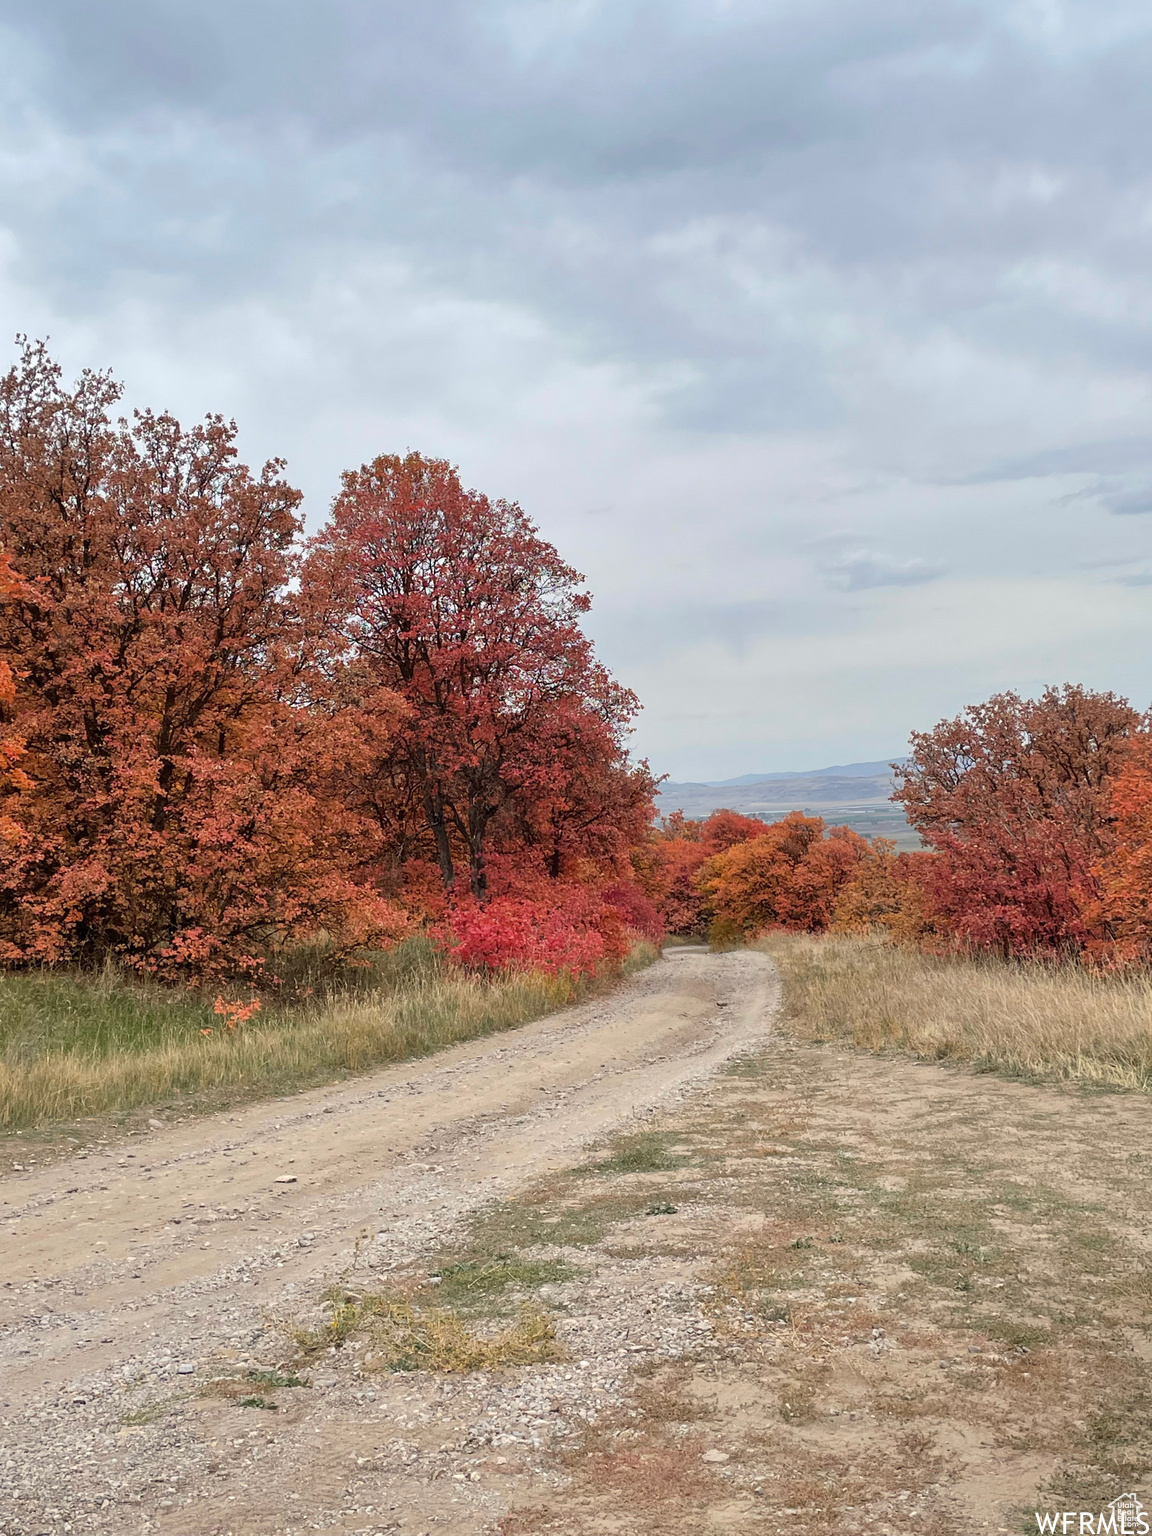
point(73, 1046)
point(1031, 1019)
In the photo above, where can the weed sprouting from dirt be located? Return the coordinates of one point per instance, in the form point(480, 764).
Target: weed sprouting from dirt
point(250, 1390)
point(479, 1285)
point(270, 1379)
point(645, 1152)
point(398, 1333)
point(149, 1413)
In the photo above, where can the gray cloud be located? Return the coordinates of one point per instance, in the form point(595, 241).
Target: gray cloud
point(859, 569)
point(787, 287)
point(1127, 501)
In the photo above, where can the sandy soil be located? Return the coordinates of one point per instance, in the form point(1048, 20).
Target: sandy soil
point(143, 1270)
point(794, 1288)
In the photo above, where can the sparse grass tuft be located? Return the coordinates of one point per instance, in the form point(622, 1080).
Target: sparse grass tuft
point(482, 1285)
point(148, 1414)
point(1040, 1022)
point(645, 1152)
point(398, 1334)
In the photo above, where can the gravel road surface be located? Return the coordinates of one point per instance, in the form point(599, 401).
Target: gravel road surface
point(131, 1276)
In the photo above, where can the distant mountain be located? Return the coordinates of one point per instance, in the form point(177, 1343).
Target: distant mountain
point(853, 794)
point(841, 771)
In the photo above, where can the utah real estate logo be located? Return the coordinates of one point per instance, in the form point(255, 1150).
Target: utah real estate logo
point(1124, 1517)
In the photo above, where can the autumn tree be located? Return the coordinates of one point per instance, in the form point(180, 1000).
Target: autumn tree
point(667, 870)
point(676, 827)
point(787, 877)
point(1014, 796)
point(589, 809)
point(818, 876)
point(176, 817)
point(14, 781)
point(1126, 874)
point(514, 734)
point(724, 828)
point(671, 860)
point(887, 891)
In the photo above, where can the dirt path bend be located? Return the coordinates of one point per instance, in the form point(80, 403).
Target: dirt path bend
point(153, 1262)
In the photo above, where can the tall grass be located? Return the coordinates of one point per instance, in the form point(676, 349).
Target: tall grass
point(1045, 1022)
point(73, 1047)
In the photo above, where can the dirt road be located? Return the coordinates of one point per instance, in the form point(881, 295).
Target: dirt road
point(133, 1276)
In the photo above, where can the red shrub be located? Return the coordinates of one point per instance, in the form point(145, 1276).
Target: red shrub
point(636, 911)
point(510, 933)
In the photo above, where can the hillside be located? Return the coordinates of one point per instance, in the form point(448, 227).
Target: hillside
point(852, 794)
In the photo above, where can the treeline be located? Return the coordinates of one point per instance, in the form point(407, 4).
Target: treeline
point(1037, 816)
point(221, 741)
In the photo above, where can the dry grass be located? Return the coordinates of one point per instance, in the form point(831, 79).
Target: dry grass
point(72, 1048)
point(1052, 1023)
point(393, 1332)
point(929, 1298)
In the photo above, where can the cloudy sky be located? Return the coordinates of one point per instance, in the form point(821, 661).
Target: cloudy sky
point(818, 333)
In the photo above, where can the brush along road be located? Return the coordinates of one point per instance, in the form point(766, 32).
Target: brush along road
point(133, 1277)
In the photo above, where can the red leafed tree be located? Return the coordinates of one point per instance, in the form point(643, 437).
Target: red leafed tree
point(665, 869)
point(177, 815)
point(14, 782)
point(575, 931)
point(586, 806)
point(723, 829)
point(513, 736)
point(1014, 796)
point(809, 901)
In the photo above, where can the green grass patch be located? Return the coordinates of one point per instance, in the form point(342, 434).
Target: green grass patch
point(483, 1285)
point(644, 1152)
point(272, 1379)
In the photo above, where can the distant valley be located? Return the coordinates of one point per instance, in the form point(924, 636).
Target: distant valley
point(849, 794)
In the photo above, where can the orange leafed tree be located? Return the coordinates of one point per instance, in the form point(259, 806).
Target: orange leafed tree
point(788, 877)
point(178, 813)
point(676, 851)
point(818, 877)
point(887, 891)
point(1127, 872)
